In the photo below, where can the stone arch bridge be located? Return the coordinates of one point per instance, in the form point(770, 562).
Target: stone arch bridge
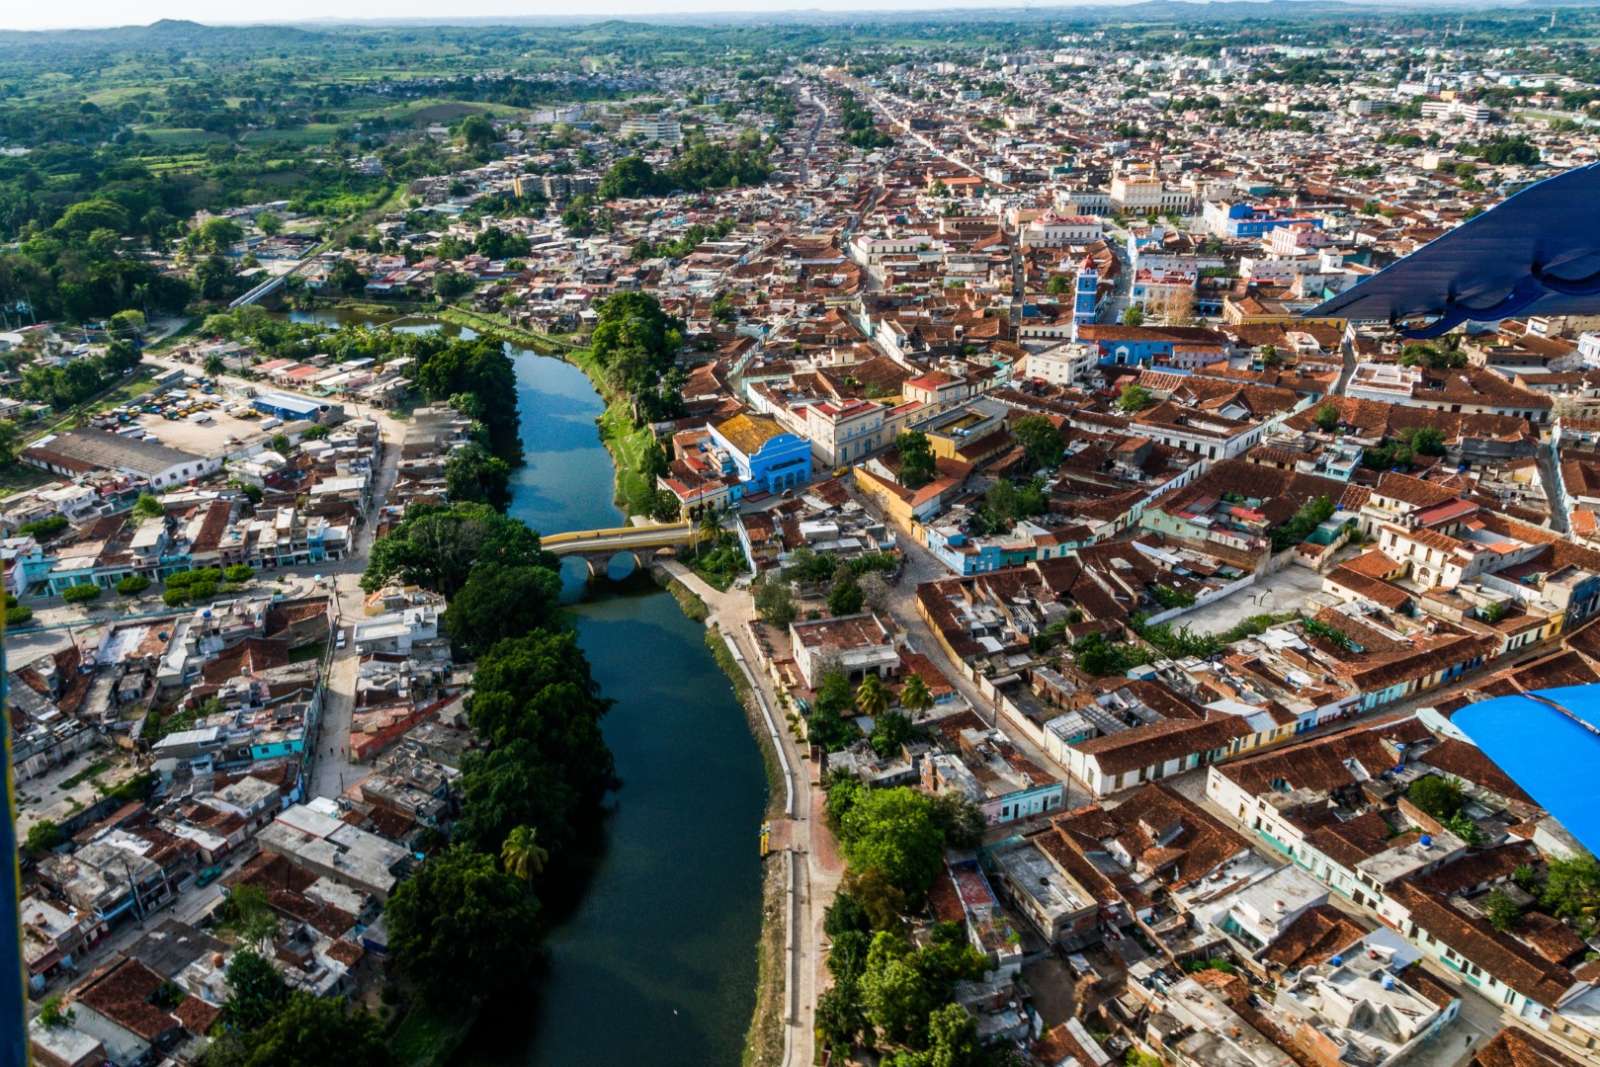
point(597, 548)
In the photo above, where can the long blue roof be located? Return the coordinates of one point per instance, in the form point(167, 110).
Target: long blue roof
point(1536, 253)
point(1548, 741)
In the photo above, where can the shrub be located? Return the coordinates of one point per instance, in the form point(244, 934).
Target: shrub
point(17, 615)
point(43, 529)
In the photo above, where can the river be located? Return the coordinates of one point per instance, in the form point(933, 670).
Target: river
point(655, 964)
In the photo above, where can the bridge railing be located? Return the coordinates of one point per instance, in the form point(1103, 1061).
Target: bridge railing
point(663, 533)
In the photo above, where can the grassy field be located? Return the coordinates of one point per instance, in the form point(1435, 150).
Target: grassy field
point(500, 328)
point(312, 133)
point(629, 445)
point(141, 383)
point(180, 135)
point(15, 477)
point(429, 110)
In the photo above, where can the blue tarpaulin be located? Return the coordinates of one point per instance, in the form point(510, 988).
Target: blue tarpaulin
point(1536, 253)
point(1549, 743)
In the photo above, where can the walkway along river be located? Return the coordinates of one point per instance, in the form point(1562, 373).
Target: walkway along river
point(656, 962)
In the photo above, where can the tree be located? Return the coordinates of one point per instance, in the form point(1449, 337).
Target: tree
point(874, 591)
point(1326, 418)
point(248, 911)
point(345, 277)
point(269, 224)
point(43, 836)
point(81, 594)
point(896, 999)
point(897, 831)
point(133, 585)
point(281, 444)
point(1134, 316)
point(309, 1031)
point(960, 820)
point(500, 601)
point(148, 507)
point(1502, 912)
point(217, 235)
point(891, 729)
point(630, 177)
point(871, 698)
point(214, 277)
point(917, 466)
point(1040, 439)
point(1427, 441)
point(458, 919)
point(1438, 796)
point(214, 365)
point(472, 474)
point(437, 547)
point(53, 1016)
point(773, 600)
point(665, 506)
point(845, 596)
point(1572, 891)
point(521, 855)
point(450, 285)
point(10, 436)
point(914, 695)
point(256, 991)
point(1134, 397)
point(126, 325)
point(477, 132)
point(881, 904)
point(840, 1018)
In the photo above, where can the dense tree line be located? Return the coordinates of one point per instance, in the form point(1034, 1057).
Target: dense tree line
point(465, 925)
point(637, 344)
point(700, 167)
point(81, 379)
point(888, 993)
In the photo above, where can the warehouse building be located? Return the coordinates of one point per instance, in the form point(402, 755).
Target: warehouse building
point(290, 408)
point(79, 452)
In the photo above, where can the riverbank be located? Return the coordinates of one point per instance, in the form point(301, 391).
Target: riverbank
point(763, 1045)
point(500, 329)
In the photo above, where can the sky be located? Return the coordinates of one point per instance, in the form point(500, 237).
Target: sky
point(17, 15)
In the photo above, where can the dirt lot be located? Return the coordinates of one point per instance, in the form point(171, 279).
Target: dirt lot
point(204, 440)
point(1290, 589)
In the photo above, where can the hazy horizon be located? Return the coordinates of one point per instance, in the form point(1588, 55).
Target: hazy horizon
point(109, 14)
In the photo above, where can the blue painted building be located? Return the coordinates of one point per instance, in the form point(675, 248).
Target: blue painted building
point(1247, 220)
point(1085, 299)
point(764, 456)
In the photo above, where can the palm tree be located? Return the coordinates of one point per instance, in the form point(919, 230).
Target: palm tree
point(871, 699)
point(521, 855)
point(914, 695)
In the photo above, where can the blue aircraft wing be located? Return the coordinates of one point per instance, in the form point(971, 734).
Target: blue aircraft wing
point(1535, 253)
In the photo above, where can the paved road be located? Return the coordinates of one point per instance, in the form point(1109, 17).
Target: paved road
point(332, 771)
